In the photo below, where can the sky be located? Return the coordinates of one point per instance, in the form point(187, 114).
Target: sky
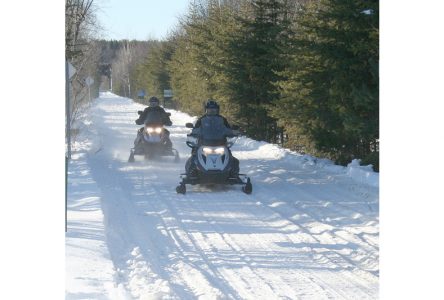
point(139, 19)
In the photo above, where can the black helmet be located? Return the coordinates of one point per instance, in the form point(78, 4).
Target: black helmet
point(154, 101)
point(211, 108)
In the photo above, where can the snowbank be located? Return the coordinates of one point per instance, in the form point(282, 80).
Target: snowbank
point(89, 269)
point(264, 150)
point(363, 174)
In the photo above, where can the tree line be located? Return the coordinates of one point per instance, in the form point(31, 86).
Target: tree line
point(300, 73)
point(82, 52)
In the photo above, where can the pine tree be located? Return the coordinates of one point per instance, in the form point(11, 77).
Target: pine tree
point(257, 57)
point(153, 75)
point(331, 96)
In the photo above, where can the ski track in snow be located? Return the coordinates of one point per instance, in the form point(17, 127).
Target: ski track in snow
point(304, 233)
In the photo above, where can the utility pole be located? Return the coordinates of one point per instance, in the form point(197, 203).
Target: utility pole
point(68, 113)
point(69, 72)
point(89, 81)
point(67, 156)
point(111, 78)
point(129, 88)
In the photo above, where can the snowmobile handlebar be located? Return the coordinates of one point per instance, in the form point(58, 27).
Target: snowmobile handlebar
point(235, 128)
point(139, 112)
point(192, 140)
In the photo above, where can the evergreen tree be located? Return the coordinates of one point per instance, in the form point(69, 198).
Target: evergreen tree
point(189, 86)
point(152, 75)
point(331, 95)
point(257, 54)
point(198, 64)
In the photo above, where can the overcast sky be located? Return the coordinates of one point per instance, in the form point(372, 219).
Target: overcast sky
point(139, 19)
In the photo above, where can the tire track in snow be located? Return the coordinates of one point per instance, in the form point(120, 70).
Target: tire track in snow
point(251, 263)
point(174, 228)
point(171, 239)
point(129, 246)
point(298, 190)
point(346, 262)
point(211, 197)
point(184, 239)
point(244, 253)
point(337, 259)
point(127, 241)
point(314, 285)
point(233, 246)
point(109, 132)
point(340, 233)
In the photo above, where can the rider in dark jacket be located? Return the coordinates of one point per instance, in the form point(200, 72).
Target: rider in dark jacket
point(211, 109)
point(155, 107)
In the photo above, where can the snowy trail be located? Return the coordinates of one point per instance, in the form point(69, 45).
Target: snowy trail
point(306, 232)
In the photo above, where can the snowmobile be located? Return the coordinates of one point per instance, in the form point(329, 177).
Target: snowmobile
point(152, 140)
point(212, 162)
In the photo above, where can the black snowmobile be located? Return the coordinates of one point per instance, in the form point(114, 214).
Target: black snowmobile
point(212, 161)
point(152, 140)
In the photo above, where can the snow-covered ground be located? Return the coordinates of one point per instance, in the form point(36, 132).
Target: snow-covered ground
point(309, 230)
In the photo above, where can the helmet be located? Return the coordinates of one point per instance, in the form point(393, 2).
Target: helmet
point(154, 102)
point(211, 108)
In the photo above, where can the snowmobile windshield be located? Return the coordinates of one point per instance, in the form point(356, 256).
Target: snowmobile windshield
point(213, 131)
point(154, 118)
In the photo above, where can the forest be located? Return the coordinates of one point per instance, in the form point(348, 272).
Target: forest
point(301, 74)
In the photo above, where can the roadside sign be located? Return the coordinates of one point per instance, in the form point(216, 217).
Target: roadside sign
point(167, 93)
point(89, 81)
point(71, 70)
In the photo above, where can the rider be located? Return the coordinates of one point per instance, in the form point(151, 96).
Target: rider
point(156, 108)
point(212, 109)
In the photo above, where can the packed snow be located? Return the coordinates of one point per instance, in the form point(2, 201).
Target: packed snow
point(309, 230)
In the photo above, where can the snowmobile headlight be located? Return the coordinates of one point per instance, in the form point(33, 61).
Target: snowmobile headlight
point(207, 150)
point(154, 129)
point(220, 150)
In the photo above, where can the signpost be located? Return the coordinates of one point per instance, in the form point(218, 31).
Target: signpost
point(69, 73)
point(141, 94)
point(167, 94)
point(89, 81)
point(71, 70)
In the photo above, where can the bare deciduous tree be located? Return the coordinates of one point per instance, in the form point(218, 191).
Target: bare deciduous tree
point(81, 27)
point(121, 67)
